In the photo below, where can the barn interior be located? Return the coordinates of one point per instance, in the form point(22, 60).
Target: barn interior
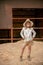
point(13, 13)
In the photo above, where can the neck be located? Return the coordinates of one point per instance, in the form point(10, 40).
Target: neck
point(28, 27)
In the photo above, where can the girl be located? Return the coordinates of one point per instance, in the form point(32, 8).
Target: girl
point(28, 34)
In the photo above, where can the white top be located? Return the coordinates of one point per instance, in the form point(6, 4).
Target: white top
point(27, 33)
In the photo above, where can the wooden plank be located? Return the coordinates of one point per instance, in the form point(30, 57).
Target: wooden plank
point(33, 27)
point(26, 18)
point(11, 35)
point(21, 28)
point(5, 28)
point(18, 39)
point(5, 38)
point(21, 38)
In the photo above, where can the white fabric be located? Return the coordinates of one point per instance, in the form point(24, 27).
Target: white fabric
point(27, 34)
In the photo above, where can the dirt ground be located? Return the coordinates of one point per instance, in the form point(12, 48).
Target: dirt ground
point(10, 53)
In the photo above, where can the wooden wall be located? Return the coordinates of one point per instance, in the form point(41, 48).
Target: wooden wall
point(6, 9)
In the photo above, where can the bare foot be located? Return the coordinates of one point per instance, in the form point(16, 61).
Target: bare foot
point(29, 58)
point(21, 59)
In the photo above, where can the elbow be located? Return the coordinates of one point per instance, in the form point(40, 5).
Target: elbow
point(21, 34)
point(34, 34)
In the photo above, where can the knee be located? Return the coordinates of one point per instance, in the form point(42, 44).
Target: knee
point(29, 47)
point(23, 47)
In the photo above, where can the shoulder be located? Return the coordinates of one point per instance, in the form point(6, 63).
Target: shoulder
point(23, 28)
point(31, 28)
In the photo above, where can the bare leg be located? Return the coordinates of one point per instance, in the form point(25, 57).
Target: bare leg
point(23, 50)
point(29, 50)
